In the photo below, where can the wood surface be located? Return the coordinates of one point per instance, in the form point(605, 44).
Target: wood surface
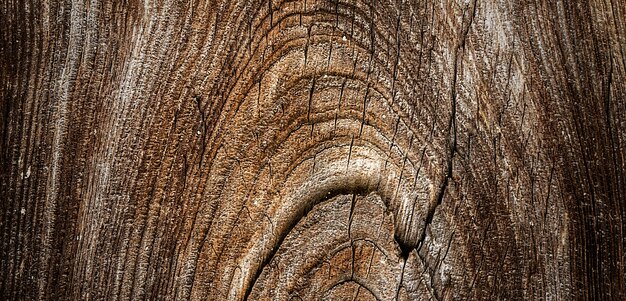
point(296, 150)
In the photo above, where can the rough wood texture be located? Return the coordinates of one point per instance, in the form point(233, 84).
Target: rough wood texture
point(370, 150)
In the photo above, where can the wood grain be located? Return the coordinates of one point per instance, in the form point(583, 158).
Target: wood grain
point(279, 150)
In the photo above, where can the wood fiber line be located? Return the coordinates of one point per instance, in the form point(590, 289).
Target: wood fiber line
point(315, 149)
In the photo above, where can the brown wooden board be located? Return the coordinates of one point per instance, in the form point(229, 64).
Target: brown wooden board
point(296, 150)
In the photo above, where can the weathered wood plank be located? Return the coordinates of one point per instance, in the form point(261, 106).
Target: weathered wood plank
point(373, 150)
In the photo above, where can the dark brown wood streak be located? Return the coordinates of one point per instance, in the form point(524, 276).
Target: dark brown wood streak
point(317, 149)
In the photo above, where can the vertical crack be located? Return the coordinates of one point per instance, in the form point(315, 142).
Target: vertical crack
point(452, 127)
point(306, 47)
point(367, 91)
point(350, 153)
point(353, 203)
point(343, 86)
point(308, 113)
point(401, 276)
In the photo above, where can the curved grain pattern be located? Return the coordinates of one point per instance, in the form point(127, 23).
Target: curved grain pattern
point(280, 150)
